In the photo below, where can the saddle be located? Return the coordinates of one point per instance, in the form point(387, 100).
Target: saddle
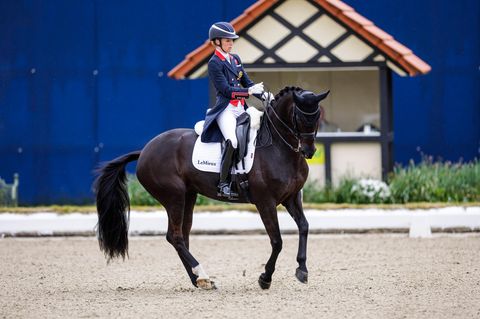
point(207, 156)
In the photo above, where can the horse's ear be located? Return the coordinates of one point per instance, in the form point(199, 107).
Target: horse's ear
point(298, 99)
point(321, 96)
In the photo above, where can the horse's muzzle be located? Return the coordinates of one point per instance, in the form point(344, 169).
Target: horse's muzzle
point(308, 152)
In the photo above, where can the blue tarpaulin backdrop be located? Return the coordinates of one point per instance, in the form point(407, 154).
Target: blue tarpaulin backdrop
point(85, 81)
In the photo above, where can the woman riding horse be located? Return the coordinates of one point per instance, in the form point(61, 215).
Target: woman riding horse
point(232, 86)
point(166, 171)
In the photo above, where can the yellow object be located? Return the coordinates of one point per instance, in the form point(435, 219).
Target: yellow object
point(319, 156)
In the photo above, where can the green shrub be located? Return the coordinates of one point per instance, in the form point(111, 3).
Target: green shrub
point(138, 195)
point(349, 190)
point(314, 193)
point(436, 182)
point(343, 192)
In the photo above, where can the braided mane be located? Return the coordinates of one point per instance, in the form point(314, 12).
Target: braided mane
point(287, 90)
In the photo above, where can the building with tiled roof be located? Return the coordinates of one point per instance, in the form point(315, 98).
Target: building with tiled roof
point(305, 33)
point(317, 45)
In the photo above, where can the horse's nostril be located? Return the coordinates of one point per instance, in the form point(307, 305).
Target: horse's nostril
point(307, 154)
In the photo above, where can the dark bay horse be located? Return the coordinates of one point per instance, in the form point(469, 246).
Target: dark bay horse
point(166, 171)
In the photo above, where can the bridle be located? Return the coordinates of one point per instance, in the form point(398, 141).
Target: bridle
point(298, 136)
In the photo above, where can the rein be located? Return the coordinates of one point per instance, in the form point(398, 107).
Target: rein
point(294, 132)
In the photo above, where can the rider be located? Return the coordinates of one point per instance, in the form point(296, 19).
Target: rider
point(232, 86)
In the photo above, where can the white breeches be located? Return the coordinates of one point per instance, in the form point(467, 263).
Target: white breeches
point(227, 122)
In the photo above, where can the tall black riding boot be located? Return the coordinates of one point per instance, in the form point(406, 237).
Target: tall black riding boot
point(224, 188)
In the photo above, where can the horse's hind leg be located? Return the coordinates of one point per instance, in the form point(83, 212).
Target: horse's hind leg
point(175, 206)
point(294, 207)
point(190, 199)
point(268, 213)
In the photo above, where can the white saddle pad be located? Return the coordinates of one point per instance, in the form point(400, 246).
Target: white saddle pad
point(207, 157)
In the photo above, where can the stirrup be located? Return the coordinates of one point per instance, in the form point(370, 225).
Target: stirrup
point(225, 190)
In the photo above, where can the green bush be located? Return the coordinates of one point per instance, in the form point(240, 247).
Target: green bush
point(314, 193)
point(138, 195)
point(349, 190)
point(436, 182)
point(424, 182)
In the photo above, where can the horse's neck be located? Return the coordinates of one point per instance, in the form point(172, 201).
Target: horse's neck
point(280, 125)
point(279, 137)
point(283, 108)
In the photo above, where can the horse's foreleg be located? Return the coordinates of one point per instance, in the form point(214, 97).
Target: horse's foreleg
point(270, 220)
point(294, 207)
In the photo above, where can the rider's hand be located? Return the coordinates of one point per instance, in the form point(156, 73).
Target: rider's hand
point(256, 89)
point(268, 96)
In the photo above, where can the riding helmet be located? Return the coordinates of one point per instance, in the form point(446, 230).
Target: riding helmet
point(222, 30)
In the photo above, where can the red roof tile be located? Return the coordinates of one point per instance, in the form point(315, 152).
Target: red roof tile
point(382, 40)
point(378, 33)
point(395, 51)
point(352, 15)
point(341, 6)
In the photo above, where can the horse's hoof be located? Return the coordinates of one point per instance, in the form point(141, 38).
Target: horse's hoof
point(206, 284)
point(301, 275)
point(214, 287)
point(263, 283)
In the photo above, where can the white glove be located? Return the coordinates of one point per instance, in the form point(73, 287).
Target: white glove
point(268, 96)
point(256, 89)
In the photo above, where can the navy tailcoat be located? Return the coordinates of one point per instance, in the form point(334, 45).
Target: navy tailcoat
point(231, 82)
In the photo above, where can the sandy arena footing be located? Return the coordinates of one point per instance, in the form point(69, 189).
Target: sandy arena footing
point(350, 276)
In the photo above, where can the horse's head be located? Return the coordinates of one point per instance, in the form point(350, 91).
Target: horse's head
point(301, 111)
point(306, 118)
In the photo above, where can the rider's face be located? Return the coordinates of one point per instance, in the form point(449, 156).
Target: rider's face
point(227, 45)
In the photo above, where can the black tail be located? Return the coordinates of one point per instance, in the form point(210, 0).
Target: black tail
point(113, 206)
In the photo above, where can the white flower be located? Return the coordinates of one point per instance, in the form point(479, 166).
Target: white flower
point(372, 189)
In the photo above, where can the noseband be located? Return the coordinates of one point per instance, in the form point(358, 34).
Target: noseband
point(298, 136)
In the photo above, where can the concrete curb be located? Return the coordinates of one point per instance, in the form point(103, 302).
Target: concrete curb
point(419, 223)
